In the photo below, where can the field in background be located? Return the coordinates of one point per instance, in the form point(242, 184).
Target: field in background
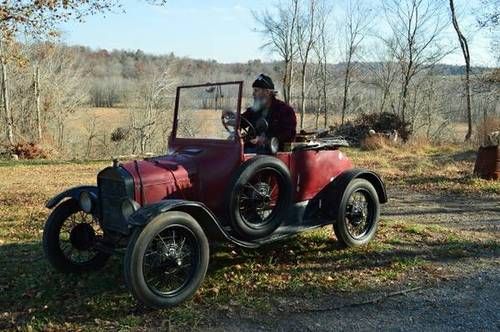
point(106, 119)
point(100, 122)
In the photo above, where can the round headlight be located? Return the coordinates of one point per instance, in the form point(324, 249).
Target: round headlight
point(85, 202)
point(129, 206)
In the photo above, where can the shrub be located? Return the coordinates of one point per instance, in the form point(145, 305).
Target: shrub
point(28, 150)
point(119, 134)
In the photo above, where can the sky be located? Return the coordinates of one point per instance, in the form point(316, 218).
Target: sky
point(222, 30)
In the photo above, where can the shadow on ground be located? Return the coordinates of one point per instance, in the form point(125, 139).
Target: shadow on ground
point(30, 288)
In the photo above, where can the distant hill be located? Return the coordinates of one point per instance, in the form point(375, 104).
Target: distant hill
point(128, 64)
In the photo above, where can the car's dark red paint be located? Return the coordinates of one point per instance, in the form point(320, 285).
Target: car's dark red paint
point(200, 170)
point(197, 170)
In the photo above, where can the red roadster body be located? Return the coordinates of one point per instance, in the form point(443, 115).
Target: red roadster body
point(181, 174)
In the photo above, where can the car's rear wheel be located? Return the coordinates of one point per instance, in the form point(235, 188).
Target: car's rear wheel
point(358, 214)
point(166, 261)
point(70, 237)
point(259, 197)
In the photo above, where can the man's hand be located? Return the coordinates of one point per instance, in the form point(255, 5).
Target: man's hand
point(259, 140)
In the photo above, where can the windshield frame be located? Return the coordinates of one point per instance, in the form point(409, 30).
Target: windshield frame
point(238, 111)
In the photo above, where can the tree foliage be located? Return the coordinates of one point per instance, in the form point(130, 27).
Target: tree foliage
point(40, 17)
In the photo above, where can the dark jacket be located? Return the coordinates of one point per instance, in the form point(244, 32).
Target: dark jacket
point(281, 119)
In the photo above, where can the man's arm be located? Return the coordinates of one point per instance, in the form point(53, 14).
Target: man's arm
point(247, 115)
point(288, 124)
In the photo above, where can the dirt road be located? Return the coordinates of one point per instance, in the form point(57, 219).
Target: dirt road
point(467, 301)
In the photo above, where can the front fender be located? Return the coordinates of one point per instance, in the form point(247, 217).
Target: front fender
point(70, 193)
point(198, 211)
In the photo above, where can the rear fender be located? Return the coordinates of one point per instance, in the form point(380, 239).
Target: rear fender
point(73, 193)
point(336, 188)
point(198, 211)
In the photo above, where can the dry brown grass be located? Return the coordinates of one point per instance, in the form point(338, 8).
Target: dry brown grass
point(485, 128)
point(425, 167)
point(376, 142)
point(106, 119)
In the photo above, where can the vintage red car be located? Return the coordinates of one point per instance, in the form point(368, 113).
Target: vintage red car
point(209, 187)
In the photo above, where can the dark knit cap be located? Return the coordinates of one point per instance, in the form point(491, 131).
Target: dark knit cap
point(263, 81)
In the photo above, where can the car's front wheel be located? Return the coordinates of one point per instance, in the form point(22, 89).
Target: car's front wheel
point(166, 261)
point(358, 214)
point(70, 237)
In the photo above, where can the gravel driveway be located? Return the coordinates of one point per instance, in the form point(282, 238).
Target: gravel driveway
point(478, 213)
point(470, 302)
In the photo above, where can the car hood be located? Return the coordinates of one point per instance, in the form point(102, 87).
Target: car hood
point(159, 178)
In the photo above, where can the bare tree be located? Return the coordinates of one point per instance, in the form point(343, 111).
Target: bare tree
point(279, 32)
point(489, 14)
point(306, 38)
point(5, 94)
point(416, 27)
point(465, 51)
point(356, 26)
point(151, 103)
point(36, 93)
point(322, 49)
point(92, 134)
point(62, 88)
point(384, 72)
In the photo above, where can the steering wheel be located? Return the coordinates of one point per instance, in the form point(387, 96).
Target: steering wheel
point(228, 120)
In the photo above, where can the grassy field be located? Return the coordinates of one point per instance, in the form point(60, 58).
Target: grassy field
point(33, 296)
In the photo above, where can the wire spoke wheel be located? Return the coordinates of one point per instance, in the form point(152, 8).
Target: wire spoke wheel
point(70, 239)
point(170, 260)
point(166, 260)
point(259, 198)
point(359, 213)
point(78, 236)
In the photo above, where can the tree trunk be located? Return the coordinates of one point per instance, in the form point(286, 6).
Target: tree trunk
point(5, 94)
point(346, 88)
point(465, 50)
point(290, 82)
point(285, 82)
point(404, 98)
point(303, 95)
point(325, 102)
point(36, 88)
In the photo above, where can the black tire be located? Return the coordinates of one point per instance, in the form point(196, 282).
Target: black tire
point(239, 223)
point(346, 221)
point(56, 249)
point(135, 267)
